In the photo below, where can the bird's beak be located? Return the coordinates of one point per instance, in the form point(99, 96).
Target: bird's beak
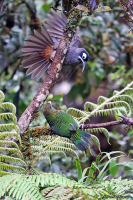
point(84, 63)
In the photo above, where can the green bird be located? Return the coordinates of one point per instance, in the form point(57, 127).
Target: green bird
point(64, 125)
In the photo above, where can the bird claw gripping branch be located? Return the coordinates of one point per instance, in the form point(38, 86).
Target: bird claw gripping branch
point(41, 47)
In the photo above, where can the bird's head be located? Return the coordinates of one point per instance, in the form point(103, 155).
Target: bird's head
point(83, 56)
point(48, 109)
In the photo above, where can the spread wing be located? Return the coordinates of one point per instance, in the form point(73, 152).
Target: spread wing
point(55, 25)
point(35, 49)
point(39, 46)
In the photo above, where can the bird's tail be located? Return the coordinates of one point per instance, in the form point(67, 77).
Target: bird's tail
point(81, 139)
point(41, 46)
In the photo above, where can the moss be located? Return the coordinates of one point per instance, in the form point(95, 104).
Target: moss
point(29, 139)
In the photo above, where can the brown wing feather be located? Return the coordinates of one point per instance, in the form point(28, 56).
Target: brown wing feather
point(39, 46)
point(35, 67)
point(55, 24)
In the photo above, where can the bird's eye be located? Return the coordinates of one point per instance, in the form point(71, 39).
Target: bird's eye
point(84, 56)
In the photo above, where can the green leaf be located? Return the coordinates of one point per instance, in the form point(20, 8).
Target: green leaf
point(79, 169)
point(113, 168)
point(46, 7)
point(96, 140)
point(90, 176)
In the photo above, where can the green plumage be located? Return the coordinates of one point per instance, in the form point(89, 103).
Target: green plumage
point(64, 125)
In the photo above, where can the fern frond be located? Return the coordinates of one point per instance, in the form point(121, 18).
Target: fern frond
point(46, 191)
point(37, 148)
point(10, 155)
point(101, 99)
point(36, 171)
point(118, 104)
point(96, 140)
point(89, 105)
point(43, 158)
point(65, 144)
point(9, 198)
point(50, 152)
point(9, 143)
point(15, 169)
point(57, 150)
point(107, 100)
point(76, 113)
point(11, 151)
point(3, 135)
point(64, 149)
point(8, 127)
point(60, 193)
point(59, 143)
point(9, 106)
point(129, 91)
point(124, 97)
point(110, 111)
point(5, 158)
point(8, 134)
point(7, 116)
point(3, 173)
point(51, 146)
point(102, 130)
point(21, 186)
point(2, 97)
point(51, 179)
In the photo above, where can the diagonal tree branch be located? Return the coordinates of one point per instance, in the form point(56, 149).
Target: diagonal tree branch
point(46, 87)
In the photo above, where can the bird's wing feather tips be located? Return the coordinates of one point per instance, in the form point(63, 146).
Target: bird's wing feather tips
point(38, 73)
point(35, 67)
point(38, 48)
point(55, 25)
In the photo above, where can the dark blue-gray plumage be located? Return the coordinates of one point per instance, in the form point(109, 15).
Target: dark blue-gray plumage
point(41, 47)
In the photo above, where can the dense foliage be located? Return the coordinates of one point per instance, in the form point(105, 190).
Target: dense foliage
point(40, 165)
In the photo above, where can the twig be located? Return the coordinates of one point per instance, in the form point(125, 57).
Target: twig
point(124, 120)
